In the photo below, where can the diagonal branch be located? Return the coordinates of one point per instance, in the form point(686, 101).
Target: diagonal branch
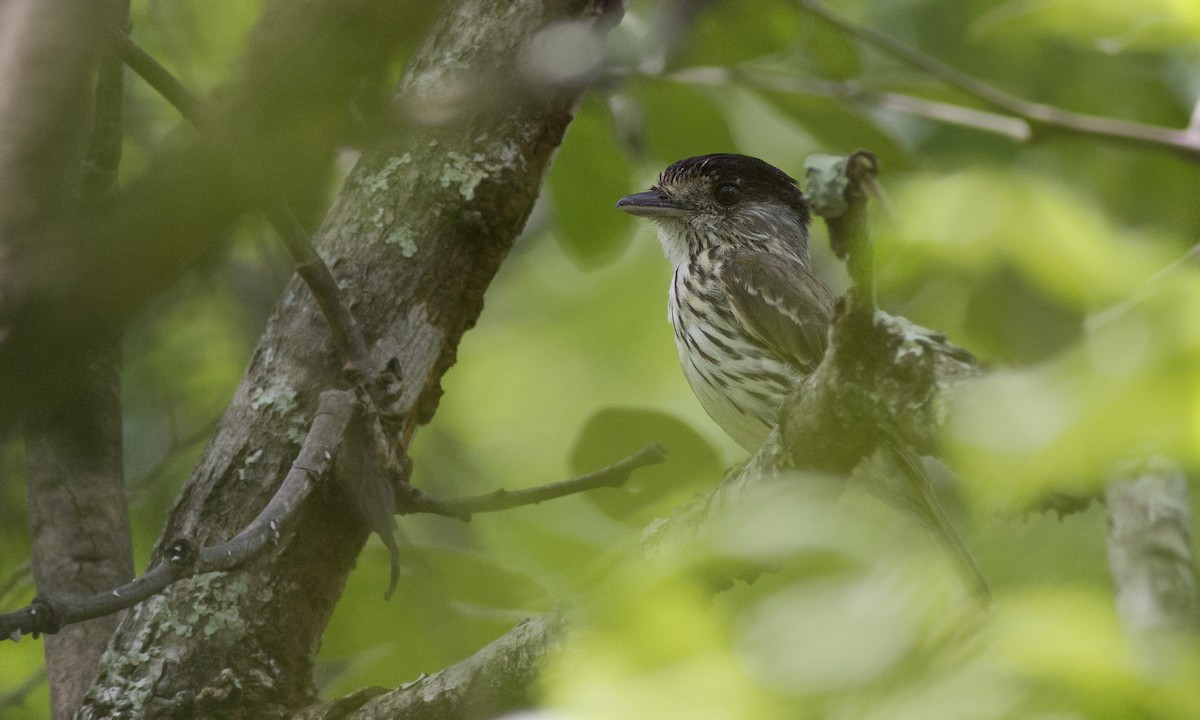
point(614, 475)
point(1150, 549)
point(16, 697)
point(309, 266)
point(1040, 116)
point(155, 75)
point(1015, 129)
point(49, 615)
point(326, 436)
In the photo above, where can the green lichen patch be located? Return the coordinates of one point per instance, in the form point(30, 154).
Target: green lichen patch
point(465, 172)
point(382, 180)
point(403, 237)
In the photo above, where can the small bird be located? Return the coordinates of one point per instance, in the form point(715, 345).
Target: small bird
point(751, 319)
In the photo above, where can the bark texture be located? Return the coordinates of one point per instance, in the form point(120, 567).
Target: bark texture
point(79, 525)
point(414, 239)
point(77, 516)
point(1150, 550)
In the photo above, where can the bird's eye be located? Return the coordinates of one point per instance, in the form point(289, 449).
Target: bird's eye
point(727, 195)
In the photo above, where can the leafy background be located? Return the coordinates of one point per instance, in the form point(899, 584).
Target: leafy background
point(1007, 247)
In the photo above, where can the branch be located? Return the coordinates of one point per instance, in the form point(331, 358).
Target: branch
point(1144, 290)
point(369, 486)
point(1014, 129)
point(49, 615)
point(16, 697)
point(1039, 115)
point(22, 574)
point(1150, 549)
point(309, 265)
point(614, 475)
point(501, 677)
point(155, 75)
point(466, 184)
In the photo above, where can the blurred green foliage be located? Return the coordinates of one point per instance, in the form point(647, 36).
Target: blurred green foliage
point(1008, 248)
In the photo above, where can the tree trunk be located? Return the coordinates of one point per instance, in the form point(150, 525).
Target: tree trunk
point(414, 238)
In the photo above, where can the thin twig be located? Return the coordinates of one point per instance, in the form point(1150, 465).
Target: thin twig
point(156, 76)
point(1039, 115)
point(1015, 129)
point(16, 696)
point(1143, 291)
point(333, 417)
point(320, 281)
point(23, 573)
point(614, 475)
point(49, 615)
point(309, 265)
point(1193, 129)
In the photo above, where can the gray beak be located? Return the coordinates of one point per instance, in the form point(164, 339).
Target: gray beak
point(650, 204)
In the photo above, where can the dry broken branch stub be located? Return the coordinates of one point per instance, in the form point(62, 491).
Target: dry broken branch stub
point(615, 475)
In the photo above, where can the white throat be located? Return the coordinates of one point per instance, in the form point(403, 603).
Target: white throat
point(674, 242)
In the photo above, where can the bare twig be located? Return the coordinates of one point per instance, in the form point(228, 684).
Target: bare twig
point(48, 615)
point(614, 475)
point(838, 189)
point(316, 275)
point(333, 417)
point(309, 265)
point(155, 75)
point(1193, 128)
point(1015, 129)
point(1106, 316)
point(1040, 116)
point(23, 573)
point(16, 696)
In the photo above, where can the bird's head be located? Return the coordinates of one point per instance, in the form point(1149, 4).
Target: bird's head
point(724, 200)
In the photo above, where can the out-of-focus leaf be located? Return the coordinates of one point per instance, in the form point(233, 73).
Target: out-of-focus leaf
point(588, 176)
point(681, 122)
point(730, 32)
point(613, 433)
point(761, 130)
point(1129, 387)
point(1001, 255)
point(839, 129)
point(1108, 25)
point(830, 51)
point(828, 634)
point(448, 603)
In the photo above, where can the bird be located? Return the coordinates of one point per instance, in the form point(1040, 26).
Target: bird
point(751, 319)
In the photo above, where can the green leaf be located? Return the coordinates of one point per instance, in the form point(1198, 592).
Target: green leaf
point(840, 129)
point(589, 175)
point(681, 122)
point(614, 433)
point(735, 31)
point(831, 54)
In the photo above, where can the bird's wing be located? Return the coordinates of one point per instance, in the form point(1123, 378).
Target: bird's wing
point(781, 303)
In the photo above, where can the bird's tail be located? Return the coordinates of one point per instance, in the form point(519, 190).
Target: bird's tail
point(939, 522)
